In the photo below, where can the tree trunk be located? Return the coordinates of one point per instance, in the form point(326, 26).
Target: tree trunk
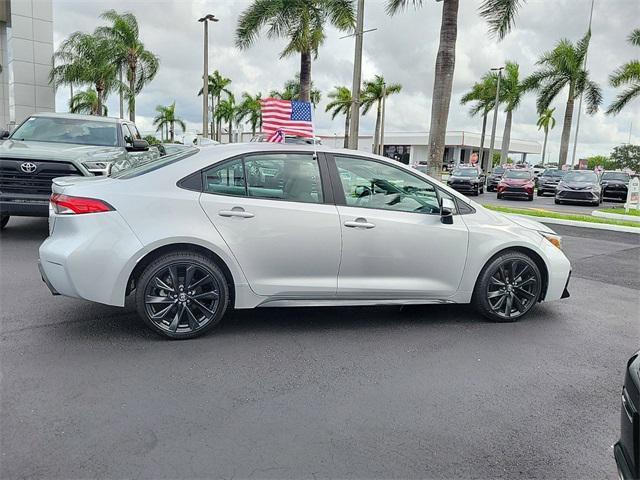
point(121, 93)
point(305, 76)
point(166, 129)
point(172, 132)
point(442, 85)
point(482, 135)
point(218, 121)
point(544, 146)
point(132, 93)
point(230, 131)
point(212, 132)
point(566, 129)
point(376, 134)
point(99, 91)
point(346, 129)
point(506, 137)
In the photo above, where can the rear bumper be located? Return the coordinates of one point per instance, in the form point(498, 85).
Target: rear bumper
point(46, 280)
point(23, 205)
point(624, 471)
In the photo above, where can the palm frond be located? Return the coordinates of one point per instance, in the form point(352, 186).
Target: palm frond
point(500, 15)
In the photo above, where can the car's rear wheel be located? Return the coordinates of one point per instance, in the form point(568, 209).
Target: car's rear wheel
point(508, 287)
point(4, 219)
point(182, 295)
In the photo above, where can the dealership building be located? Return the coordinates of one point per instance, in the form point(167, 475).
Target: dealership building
point(26, 50)
point(411, 147)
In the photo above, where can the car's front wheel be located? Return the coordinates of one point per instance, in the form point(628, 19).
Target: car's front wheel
point(4, 219)
point(508, 287)
point(182, 295)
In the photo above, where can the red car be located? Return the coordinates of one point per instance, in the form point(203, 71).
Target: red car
point(516, 183)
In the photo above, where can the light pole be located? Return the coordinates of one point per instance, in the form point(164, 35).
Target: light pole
point(495, 120)
point(575, 139)
point(205, 78)
point(384, 108)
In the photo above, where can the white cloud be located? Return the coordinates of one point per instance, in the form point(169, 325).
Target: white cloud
point(403, 49)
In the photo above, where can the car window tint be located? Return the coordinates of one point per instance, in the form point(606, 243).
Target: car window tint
point(226, 179)
point(370, 184)
point(286, 176)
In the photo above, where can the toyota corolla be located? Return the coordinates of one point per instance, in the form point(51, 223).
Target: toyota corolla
point(260, 225)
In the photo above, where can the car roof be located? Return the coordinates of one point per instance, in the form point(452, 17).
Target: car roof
point(77, 116)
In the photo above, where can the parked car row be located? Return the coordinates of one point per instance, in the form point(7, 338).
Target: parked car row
point(567, 186)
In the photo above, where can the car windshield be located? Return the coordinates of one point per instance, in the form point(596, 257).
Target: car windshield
point(580, 177)
point(615, 176)
point(465, 172)
point(520, 174)
point(68, 130)
point(498, 170)
point(552, 172)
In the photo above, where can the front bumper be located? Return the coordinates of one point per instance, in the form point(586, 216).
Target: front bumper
point(465, 187)
point(578, 196)
point(24, 205)
point(547, 187)
point(515, 191)
point(615, 192)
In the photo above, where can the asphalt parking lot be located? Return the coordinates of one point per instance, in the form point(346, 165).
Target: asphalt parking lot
point(422, 392)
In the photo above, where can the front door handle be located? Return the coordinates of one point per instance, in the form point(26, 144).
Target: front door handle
point(236, 212)
point(359, 223)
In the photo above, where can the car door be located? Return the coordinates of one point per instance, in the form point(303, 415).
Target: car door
point(394, 244)
point(278, 220)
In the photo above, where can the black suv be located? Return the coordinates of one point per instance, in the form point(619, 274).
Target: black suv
point(494, 178)
point(548, 181)
point(627, 450)
point(467, 180)
point(615, 185)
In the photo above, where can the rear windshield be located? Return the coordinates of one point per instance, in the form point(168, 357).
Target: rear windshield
point(68, 130)
point(580, 177)
point(151, 166)
point(615, 176)
point(552, 172)
point(522, 174)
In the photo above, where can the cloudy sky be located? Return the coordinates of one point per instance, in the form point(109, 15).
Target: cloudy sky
point(403, 49)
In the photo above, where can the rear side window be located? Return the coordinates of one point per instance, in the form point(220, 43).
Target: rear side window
point(226, 179)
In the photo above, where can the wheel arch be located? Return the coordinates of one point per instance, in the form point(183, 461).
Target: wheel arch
point(535, 256)
point(159, 251)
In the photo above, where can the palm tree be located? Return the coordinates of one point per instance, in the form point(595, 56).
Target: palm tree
point(627, 74)
point(87, 102)
point(373, 91)
point(483, 93)
point(301, 22)
point(217, 85)
point(129, 53)
point(340, 104)
point(250, 110)
point(546, 122)
point(511, 91)
point(564, 67)
point(167, 119)
point(84, 59)
point(227, 111)
point(291, 91)
point(500, 14)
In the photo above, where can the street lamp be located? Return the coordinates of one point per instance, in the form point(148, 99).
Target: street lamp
point(205, 78)
point(495, 119)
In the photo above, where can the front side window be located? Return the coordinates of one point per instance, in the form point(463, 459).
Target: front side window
point(371, 184)
point(126, 135)
point(284, 176)
point(226, 179)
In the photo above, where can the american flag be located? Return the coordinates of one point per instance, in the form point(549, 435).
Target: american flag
point(291, 117)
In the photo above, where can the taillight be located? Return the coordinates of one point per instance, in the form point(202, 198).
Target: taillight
point(68, 205)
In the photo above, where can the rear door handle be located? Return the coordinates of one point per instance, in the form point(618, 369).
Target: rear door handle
point(236, 212)
point(359, 223)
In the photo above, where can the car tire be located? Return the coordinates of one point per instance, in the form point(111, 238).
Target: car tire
point(190, 309)
point(540, 193)
point(521, 287)
point(3, 221)
point(530, 198)
point(557, 202)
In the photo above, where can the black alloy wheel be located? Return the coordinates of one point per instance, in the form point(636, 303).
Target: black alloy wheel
point(182, 295)
point(508, 287)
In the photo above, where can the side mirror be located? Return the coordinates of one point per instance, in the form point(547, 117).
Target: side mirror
point(138, 146)
point(447, 208)
point(4, 134)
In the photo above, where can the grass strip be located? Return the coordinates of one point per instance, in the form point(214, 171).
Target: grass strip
point(620, 211)
point(540, 213)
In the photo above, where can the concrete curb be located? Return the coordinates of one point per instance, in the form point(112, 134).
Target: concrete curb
point(615, 216)
point(575, 223)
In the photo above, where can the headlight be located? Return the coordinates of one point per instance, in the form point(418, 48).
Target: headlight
point(555, 240)
point(98, 168)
